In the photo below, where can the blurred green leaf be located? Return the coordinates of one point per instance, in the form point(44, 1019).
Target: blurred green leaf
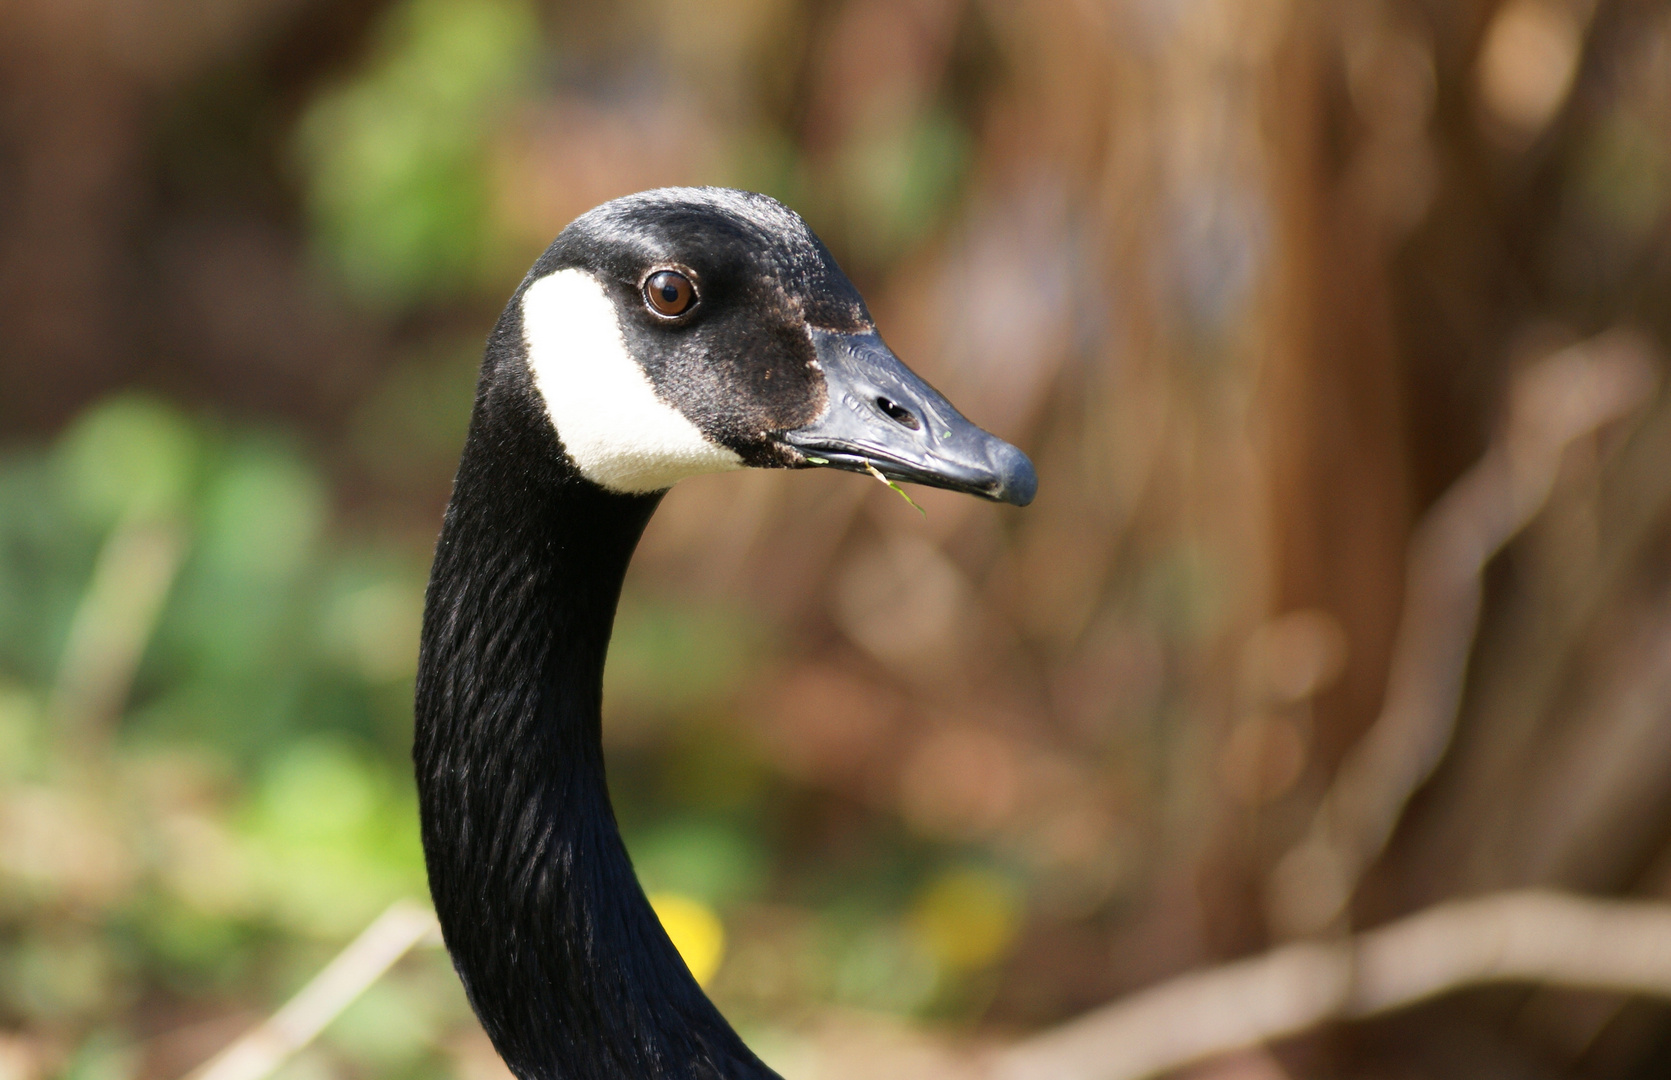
point(21, 747)
point(129, 455)
point(714, 863)
point(885, 967)
point(395, 160)
point(387, 1028)
point(677, 659)
point(316, 793)
point(332, 839)
point(198, 951)
point(56, 978)
point(46, 554)
point(262, 514)
point(411, 429)
point(105, 1056)
point(900, 178)
point(372, 628)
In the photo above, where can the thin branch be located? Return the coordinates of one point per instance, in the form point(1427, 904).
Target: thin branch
point(1561, 398)
point(1529, 936)
point(260, 1051)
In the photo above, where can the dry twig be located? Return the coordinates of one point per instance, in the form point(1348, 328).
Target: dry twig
point(113, 624)
point(1508, 937)
point(261, 1050)
point(1561, 398)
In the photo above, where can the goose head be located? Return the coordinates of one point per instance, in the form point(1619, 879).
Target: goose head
point(695, 330)
point(662, 335)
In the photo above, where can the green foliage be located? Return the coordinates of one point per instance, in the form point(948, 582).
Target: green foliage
point(676, 660)
point(329, 839)
point(901, 178)
point(389, 1028)
point(410, 430)
point(130, 455)
point(396, 160)
point(252, 806)
point(255, 797)
point(719, 864)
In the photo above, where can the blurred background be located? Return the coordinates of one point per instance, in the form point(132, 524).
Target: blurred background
point(1251, 280)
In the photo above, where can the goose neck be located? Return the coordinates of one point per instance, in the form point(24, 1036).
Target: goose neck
point(560, 953)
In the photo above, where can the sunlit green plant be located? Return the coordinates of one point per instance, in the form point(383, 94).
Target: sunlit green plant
point(395, 160)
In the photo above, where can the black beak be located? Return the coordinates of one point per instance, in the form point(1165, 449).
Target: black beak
point(882, 416)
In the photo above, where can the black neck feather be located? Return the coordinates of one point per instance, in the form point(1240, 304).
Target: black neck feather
point(562, 957)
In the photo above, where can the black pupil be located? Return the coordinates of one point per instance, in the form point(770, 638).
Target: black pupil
point(669, 293)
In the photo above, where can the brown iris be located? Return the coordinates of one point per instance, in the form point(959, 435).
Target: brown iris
point(669, 293)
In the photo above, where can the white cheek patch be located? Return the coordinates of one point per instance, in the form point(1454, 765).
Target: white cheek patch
point(616, 430)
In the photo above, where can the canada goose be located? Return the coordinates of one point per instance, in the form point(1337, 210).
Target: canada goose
point(662, 335)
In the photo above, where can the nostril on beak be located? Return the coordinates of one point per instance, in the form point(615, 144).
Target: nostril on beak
point(897, 413)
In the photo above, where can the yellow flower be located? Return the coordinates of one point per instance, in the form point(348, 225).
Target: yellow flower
point(696, 931)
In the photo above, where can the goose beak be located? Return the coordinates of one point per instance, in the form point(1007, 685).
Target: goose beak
point(882, 416)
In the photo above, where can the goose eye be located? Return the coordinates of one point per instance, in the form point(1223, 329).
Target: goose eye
point(669, 293)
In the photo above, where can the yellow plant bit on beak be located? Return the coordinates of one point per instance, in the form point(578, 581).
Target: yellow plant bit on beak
point(874, 471)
